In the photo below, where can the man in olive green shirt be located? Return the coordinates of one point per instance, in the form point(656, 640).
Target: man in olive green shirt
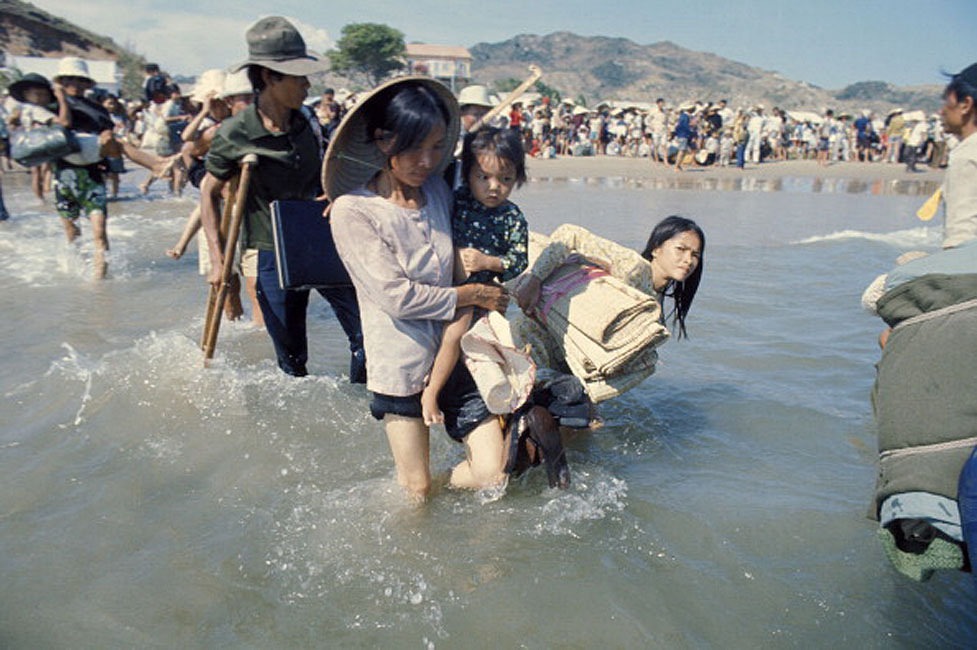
point(288, 143)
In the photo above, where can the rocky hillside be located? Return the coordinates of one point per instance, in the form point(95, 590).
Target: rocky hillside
point(26, 30)
point(602, 68)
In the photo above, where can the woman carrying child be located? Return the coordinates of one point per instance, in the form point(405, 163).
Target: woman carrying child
point(491, 238)
point(391, 220)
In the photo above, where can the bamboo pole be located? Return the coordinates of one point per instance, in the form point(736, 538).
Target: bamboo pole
point(215, 308)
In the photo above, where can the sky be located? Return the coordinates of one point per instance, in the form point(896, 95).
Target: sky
point(828, 43)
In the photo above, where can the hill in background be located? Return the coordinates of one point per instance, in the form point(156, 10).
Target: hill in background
point(26, 30)
point(601, 68)
point(591, 69)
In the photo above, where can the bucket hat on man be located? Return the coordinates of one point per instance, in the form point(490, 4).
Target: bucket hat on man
point(276, 44)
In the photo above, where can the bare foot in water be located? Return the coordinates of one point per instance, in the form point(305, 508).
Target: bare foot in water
point(174, 253)
point(101, 266)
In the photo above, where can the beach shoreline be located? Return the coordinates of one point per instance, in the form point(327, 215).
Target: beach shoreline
point(644, 168)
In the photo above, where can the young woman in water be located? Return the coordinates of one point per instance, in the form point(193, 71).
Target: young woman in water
point(391, 220)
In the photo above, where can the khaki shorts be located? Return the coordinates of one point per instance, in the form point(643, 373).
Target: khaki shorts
point(246, 264)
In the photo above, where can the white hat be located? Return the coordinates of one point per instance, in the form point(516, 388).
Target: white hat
point(476, 95)
point(236, 84)
point(209, 81)
point(72, 66)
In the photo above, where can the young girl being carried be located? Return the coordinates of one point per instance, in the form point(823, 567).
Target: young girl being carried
point(491, 241)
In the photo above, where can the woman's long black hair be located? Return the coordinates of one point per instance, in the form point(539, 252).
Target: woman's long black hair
point(682, 293)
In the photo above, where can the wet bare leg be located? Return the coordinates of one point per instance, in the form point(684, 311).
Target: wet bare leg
point(101, 237)
point(189, 230)
point(37, 182)
point(483, 467)
point(71, 229)
point(257, 318)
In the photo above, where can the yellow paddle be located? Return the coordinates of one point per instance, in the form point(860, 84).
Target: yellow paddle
point(928, 210)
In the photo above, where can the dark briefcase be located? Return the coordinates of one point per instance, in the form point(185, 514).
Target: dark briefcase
point(304, 250)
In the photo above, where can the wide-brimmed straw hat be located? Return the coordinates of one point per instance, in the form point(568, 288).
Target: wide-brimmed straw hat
point(276, 44)
point(72, 66)
point(29, 80)
point(353, 157)
point(476, 95)
point(209, 81)
point(236, 84)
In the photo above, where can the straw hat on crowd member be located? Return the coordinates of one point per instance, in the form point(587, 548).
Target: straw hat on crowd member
point(236, 84)
point(72, 66)
point(353, 157)
point(475, 95)
point(275, 43)
point(209, 81)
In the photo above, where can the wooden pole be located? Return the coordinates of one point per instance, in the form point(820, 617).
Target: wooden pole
point(216, 311)
point(535, 73)
point(224, 226)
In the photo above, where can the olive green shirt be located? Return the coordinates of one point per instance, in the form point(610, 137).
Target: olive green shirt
point(288, 167)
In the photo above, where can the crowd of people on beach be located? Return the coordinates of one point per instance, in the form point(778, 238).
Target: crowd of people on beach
point(712, 133)
point(415, 186)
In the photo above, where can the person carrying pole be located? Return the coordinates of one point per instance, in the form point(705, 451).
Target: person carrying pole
point(230, 231)
point(287, 141)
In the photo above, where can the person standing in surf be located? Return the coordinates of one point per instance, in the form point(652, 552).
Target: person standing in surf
point(391, 220)
point(288, 143)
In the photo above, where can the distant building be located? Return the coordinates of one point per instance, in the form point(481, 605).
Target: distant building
point(105, 73)
point(450, 64)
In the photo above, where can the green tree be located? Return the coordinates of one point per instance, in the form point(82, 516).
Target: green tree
point(370, 50)
point(549, 91)
point(505, 86)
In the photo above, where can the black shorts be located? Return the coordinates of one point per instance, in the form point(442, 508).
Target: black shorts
point(196, 172)
point(407, 406)
point(462, 404)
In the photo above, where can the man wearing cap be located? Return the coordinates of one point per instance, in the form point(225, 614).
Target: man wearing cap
point(959, 114)
point(80, 188)
point(288, 142)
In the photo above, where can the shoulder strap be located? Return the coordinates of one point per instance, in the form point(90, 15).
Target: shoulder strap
point(316, 129)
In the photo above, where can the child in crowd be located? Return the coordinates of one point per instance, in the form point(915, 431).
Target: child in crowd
point(490, 235)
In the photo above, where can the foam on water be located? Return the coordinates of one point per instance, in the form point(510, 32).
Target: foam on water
point(922, 237)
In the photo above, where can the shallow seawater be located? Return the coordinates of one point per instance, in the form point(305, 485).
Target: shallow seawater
point(148, 502)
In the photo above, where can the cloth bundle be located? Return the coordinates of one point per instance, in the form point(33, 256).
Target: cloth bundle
point(609, 330)
point(503, 373)
point(923, 404)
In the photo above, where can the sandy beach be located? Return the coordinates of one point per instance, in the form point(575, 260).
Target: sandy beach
point(643, 168)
